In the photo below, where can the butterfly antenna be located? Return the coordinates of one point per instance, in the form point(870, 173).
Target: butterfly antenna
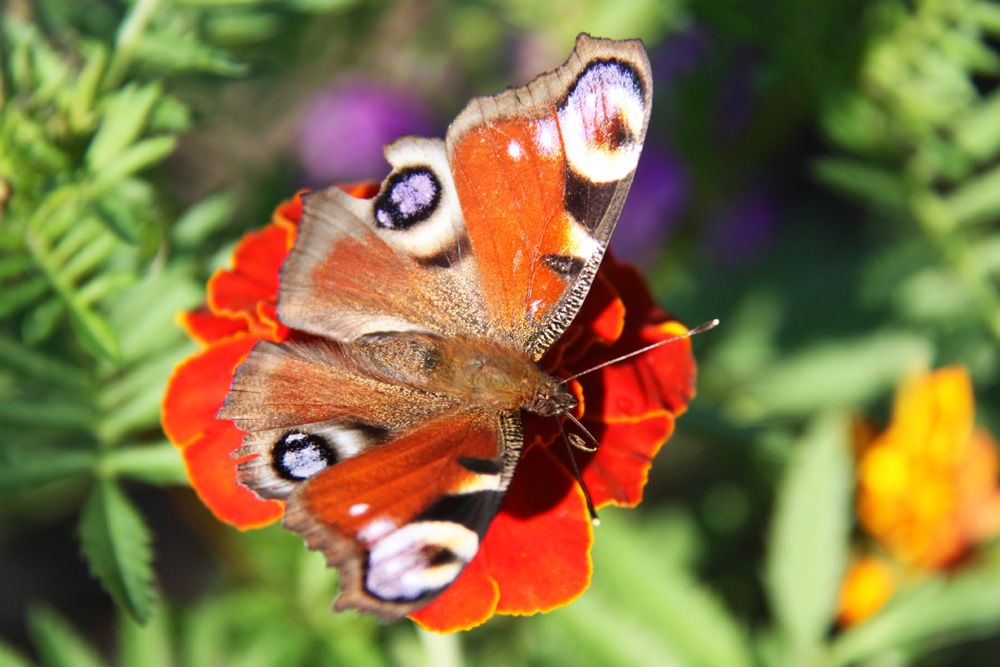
point(576, 471)
point(701, 328)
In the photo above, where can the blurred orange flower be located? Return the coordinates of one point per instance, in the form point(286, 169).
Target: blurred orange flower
point(870, 583)
point(927, 485)
point(536, 555)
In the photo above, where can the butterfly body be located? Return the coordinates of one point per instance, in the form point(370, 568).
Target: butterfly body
point(390, 421)
point(471, 372)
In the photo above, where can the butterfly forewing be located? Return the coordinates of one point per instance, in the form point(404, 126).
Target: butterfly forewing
point(550, 164)
point(391, 263)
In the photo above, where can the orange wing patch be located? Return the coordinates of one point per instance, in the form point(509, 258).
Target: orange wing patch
point(511, 175)
point(366, 497)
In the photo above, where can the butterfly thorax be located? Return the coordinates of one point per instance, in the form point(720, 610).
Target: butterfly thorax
point(476, 372)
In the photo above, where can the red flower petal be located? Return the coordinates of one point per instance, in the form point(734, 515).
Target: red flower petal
point(290, 211)
point(212, 472)
point(632, 411)
point(630, 284)
point(531, 574)
point(538, 548)
point(204, 326)
point(194, 395)
point(600, 320)
point(267, 325)
point(198, 387)
point(254, 276)
point(618, 471)
point(359, 190)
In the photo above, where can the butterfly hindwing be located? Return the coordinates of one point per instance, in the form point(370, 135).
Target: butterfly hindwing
point(402, 521)
point(306, 404)
point(395, 488)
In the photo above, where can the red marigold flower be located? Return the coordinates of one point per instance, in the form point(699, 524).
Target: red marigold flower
point(536, 554)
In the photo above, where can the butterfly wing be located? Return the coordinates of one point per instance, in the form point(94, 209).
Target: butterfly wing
point(397, 262)
point(396, 488)
point(541, 173)
point(403, 521)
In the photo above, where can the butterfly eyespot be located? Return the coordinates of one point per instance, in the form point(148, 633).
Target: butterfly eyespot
point(436, 556)
point(298, 456)
point(410, 196)
point(418, 559)
point(602, 118)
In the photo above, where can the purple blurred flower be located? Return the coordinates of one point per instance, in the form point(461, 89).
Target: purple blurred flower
point(681, 53)
point(344, 128)
point(744, 228)
point(658, 194)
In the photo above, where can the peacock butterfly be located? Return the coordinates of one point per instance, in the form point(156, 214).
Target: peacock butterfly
point(390, 420)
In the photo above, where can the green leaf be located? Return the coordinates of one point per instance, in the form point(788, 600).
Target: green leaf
point(117, 214)
point(53, 413)
point(944, 609)
point(835, 374)
point(14, 298)
point(24, 471)
point(144, 315)
point(125, 114)
point(934, 295)
point(11, 657)
point(678, 612)
point(862, 181)
point(41, 322)
point(222, 3)
point(978, 131)
point(977, 200)
point(90, 258)
point(231, 28)
point(57, 643)
point(93, 332)
point(626, 636)
point(115, 541)
point(987, 14)
point(87, 84)
point(170, 115)
point(183, 52)
point(159, 464)
point(202, 219)
point(132, 401)
point(808, 544)
point(37, 366)
point(203, 635)
point(14, 266)
point(80, 238)
point(145, 645)
point(135, 158)
point(104, 285)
